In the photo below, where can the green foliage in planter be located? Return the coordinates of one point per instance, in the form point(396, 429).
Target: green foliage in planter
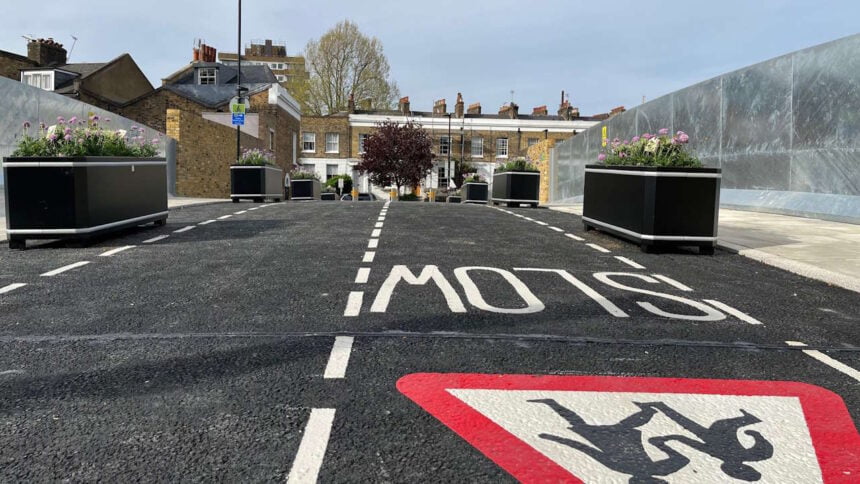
point(305, 175)
point(256, 157)
point(85, 138)
point(651, 150)
point(409, 197)
point(475, 179)
point(519, 164)
point(347, 183)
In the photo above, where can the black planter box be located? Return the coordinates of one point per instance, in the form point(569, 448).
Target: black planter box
point(475, 192)
point(256, 183)
point(453, 199)
point(328, 196)
point(654, 206)
point(81, 197)
point(305, 189)
point(516, 187)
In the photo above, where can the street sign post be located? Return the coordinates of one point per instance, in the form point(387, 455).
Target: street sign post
point(542, 428)
point(238, 107)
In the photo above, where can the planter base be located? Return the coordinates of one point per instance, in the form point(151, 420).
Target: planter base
point(255, 183)
point(18, 238)
point(652, 243)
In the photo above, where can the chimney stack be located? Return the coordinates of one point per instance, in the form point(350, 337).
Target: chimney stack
point(403, 106)
point(474, 108)
point(440, 107)
point(510, 110)
point(351, 104)
point(204, 53)
point(540, 111)
point(618, 110)
point(459, 107)
point(46, 52)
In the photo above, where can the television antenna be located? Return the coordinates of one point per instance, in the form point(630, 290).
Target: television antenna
point(69, 56)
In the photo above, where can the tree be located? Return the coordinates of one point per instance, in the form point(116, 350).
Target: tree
point(342, 62)
point(398, 155)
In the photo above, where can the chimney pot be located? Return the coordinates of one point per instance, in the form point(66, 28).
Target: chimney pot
point(474, 108)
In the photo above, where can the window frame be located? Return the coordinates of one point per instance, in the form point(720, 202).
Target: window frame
point(499, 147)
point(362, 138)
point(480, 141)
point(312, 142)
point(444, 145)
point(42, 76)
point(336, 142)
point(208, 70)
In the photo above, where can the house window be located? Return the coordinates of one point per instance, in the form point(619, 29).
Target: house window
point(42, 80)
point(281, 78)
point(532, 142)
point(502, 147)
point(271, 140)
point(207, 75)
point(444, 145)
point(309, 142)
point(332, 142)
point(330, 171)
point(361, 139)
point(477, 147)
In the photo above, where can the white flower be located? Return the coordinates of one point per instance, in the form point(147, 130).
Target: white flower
point(652, 145)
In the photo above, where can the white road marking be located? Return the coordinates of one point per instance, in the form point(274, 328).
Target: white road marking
point(309, 458)
point(835, 364)
point(372, 243)
point(383, 297)
point(224, 217)
point(240, 212)
point(520, 216)
point(473, 294)
point(11, 287)
point(116, 251)
point(155, 239)
point(368, 256)
point(574, 237)
point(627, 261)
point(65, 268)
point(353, 303)
point(555, 228)
point(711, 314)
point(376, 232)
point(362, 275)
point(339, 357)
point(597, 297)
point(529, 219)
point(672, 282)
point(207, 222)
point(381, 219)
point(734, 312)
point(253, 208)
point(183, 229)
point(540, 223)
point(378, 225)
point(598, 248)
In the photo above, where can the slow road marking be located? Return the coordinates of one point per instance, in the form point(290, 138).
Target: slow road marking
point(734, 312)
point(65, 268)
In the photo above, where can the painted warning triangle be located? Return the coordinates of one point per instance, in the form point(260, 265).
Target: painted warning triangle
point(626, 429)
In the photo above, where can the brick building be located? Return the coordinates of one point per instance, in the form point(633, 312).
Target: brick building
point(333, 144)
point(286, 68)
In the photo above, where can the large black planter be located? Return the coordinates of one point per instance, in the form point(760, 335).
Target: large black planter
point(474, 192)
point(453, 199)
point(81, 197)
point(654, 206)
point(328, 196)
point(256, 183)
point(305, 189)
point(516, 187)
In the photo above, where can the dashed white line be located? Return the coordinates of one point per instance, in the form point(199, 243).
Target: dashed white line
point(627, 261)
point(555, 228)
point(835, 364)
point(529, 219)
point(368, 256)
point(376, 232)
point(253, 208)
point(224, 217)
point(65, 268)
point(155, 239)
point(734, 312)
point(378, 225)
point(339, 357)
point(207, 222)
point(240, 212)
point(598, 248)
point(540, 223)
point(574, 237)
point(11, 287)
point(381, 219)
point(183, 229)
point(309, 458)
point(353, 303)
point(672, 282)
point(362, 276)
point(116, 251)
point(372, 243)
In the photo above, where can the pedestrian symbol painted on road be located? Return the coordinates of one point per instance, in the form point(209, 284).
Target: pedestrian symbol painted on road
point(638, 430)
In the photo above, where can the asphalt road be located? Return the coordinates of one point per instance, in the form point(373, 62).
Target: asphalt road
point(211, 354)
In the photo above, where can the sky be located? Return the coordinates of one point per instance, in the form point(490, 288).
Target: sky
point(604, 53)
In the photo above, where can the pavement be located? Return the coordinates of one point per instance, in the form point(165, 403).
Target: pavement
point(818, 249)
point(417, 342)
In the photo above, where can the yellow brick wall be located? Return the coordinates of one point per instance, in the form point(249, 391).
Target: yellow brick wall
point(538, 154)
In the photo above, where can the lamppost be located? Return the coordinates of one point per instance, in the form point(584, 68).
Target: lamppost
point(239, 82)
point(448, 164)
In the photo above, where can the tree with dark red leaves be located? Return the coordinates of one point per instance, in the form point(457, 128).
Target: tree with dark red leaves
point(396, 154)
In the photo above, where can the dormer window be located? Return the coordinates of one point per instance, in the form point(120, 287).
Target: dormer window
point(207, 75)
point(41, 79)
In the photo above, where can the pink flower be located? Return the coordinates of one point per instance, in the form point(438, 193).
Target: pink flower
point(625, 142)
point(67, 137)
point(647, 136)
point(622, 155)
point(601, 157)
point(663, 132)
point(52, 137)
point(635, 139)
point(683, 137)
point(61, 120)
point(73, 120)
point(67, 131)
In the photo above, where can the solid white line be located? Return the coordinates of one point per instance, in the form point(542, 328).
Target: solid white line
point(116, 251)
point(240, 212)
point(672, 282)
point(835, 364)
point(65, 268)
point(627, 261)
point(368, 256)
point(11, 287)
point(339, 357)
point(372, 243)
point(540, 223)
point(555, 228)
point(309, 458)
point(183, 229)
point(207, 222)
point(734, 312)
point(378, 225)
point(224, 217)
point(362, 275)
point(155, 239)
point(353, 303)
point(376, 233)
point(598, 248)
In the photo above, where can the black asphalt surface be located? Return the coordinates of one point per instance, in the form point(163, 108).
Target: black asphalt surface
point(200, 356)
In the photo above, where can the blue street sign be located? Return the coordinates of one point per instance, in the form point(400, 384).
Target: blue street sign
point(238, 119)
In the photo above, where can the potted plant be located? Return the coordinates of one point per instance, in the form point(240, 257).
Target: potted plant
point(79, 179)
point(475, 190)
point(651, 191)
point(335, 184)
point(305, 185)
point(516, 182)
point(255, 177)
point(454, 197)
point(329, 194)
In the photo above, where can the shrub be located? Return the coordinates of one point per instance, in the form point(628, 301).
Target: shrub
point(256, 157)
point(409, 197)
point(475, 179)
point(304, 175)
point(519, 164)
point(85, 138)
point(347, 182)
point(650, 150)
